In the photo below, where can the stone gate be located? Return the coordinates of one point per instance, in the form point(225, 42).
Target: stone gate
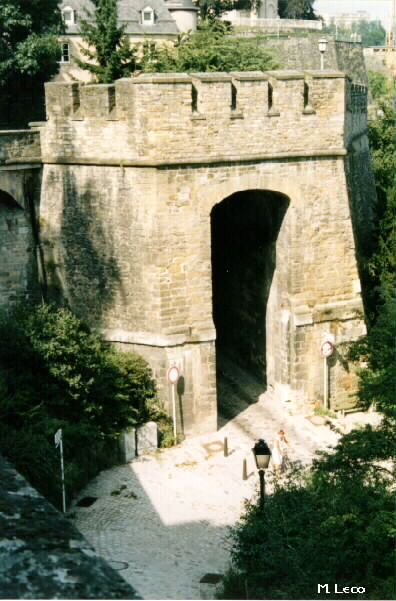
point(177, 207)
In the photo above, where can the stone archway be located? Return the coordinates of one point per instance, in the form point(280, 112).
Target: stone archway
point(18, 270)
point(249, 279)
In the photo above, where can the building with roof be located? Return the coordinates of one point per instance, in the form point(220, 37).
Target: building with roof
point(142, 19)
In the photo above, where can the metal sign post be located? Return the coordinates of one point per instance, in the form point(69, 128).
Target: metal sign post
point(59, 443)
point(326, 350)
point(173, 376)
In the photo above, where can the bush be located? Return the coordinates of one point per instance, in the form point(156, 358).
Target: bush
point(324, 412)
point(210, 48)
point(54, 373)
point(315, 530)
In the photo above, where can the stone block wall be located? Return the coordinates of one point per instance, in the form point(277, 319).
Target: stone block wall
point(20, 167)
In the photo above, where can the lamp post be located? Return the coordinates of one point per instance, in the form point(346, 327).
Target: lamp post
point(322, 49)
point(262, 456)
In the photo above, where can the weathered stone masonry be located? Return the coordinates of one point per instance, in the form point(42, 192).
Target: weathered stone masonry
point(42, 555)
point(131, 175)
point(20, 168)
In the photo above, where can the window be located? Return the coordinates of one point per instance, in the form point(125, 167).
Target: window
point(69, 15)
point(148, 16)
point(65, 52)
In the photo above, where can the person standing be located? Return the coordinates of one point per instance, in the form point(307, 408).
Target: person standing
point(279, 451)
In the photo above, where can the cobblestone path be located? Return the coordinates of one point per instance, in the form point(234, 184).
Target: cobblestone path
point(170, 522)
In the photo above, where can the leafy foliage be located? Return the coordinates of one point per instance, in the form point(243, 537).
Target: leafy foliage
point(376, 351)
point(28, 53)
point(315, 528)
point(381, 138)
point(381, 265)
point(371, 32)
point(380, 85)
point(296, 9)
point(71, 372)
point(55, 374)
point(109, 53)
point(210, 48)
point(28, 45)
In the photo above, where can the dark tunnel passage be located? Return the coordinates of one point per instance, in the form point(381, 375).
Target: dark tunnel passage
point(244, 230)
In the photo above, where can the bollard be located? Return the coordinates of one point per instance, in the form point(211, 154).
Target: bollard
point(244, 470)
point(225, 447)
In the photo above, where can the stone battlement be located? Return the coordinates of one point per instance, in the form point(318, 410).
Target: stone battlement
point(211, 117)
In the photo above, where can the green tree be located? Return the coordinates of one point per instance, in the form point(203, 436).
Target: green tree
point(381, 264)
point(371, 32)
point(71, 371)
point(28, 46)
point(296, 9)
point(29, 51)
point(381, 139)
point(108, 50)
point(377, 350)
point(380, 85)
point(210, 48)
point(54, 373)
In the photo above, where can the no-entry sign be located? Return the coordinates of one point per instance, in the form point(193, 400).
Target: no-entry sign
point(327, 348)
point(173, 374)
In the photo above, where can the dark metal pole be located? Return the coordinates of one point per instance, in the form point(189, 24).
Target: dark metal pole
point(225, 447)
point(261, 475)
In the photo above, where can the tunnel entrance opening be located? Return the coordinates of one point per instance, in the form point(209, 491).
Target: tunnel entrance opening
point(244, 233)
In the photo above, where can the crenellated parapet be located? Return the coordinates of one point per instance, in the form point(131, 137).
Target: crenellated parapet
point(173, 118)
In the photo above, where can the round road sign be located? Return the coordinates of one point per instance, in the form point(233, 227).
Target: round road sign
point(173, 374)
point(327, 348)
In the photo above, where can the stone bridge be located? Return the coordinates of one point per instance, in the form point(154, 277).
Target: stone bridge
point(185, 216)
point(20, 168)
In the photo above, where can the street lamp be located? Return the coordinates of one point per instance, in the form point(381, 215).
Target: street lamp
point(322, 49)
point(262, 456)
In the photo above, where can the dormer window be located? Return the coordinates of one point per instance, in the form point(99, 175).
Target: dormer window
point(69, 15)
point(147, 16)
